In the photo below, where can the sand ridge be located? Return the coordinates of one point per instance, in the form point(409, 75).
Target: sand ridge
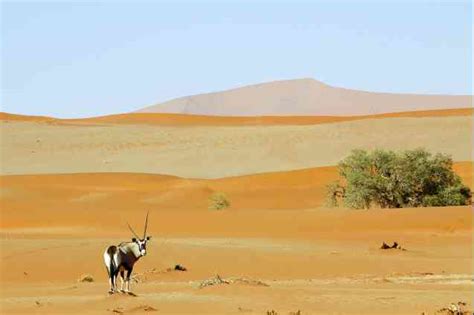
point(164, 119)
point(103, 193)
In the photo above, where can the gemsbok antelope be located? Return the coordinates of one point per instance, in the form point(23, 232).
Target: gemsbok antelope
point(122, 258)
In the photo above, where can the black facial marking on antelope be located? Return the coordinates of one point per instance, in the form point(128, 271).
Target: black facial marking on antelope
point(121, 259)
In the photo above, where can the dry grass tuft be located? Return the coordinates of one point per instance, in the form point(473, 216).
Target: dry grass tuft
point(219, 280)
point(86, 278)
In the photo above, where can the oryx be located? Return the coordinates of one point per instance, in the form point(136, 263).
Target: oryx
point(121, 258)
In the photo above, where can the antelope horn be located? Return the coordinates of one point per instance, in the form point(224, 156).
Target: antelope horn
point(146, 224)
point(133, 231)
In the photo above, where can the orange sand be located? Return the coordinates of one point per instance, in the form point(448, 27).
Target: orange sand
point(199, 120)
point(55, 227)
point(47, 195)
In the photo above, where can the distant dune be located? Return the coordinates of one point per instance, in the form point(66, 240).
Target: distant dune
point(304, 97)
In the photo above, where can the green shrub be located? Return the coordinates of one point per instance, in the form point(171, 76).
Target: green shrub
point(218, 201)
point(395, 180)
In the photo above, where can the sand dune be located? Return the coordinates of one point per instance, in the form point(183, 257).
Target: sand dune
point(118, 192)
point(101, 194)
point(218, 151)
point(200, 120)
point(303, 97)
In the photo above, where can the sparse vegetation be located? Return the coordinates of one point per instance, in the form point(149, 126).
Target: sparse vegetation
point(387, 179)
point(218, 201)
point(219, 280)
point(455, 309)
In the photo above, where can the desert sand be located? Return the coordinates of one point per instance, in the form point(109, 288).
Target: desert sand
point(38, 147)
point(315, 260)
point(68, 189)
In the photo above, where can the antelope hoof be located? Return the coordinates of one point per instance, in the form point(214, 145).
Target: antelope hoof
point(111, 292)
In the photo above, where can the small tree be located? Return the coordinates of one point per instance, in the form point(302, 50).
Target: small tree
point(394, 180)
point(218, 201)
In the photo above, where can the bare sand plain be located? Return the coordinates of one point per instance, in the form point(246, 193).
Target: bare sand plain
point(318, 261)
point(61, 205)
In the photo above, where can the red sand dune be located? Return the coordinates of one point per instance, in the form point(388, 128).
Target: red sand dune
point(200, 120)
point(72, 194)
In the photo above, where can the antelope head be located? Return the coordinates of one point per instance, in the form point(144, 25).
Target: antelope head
point(141, 242)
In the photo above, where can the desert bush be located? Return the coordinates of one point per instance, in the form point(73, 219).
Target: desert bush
point(218, 201)
point(387, 179)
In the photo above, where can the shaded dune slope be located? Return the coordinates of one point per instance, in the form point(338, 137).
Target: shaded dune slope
point(67, 196)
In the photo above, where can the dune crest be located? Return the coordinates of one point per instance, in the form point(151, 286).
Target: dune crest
point(163, 119)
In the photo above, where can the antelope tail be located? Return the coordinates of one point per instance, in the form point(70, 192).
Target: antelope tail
point(111, 251)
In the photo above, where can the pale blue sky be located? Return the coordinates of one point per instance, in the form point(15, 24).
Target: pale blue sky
point(76, 59)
